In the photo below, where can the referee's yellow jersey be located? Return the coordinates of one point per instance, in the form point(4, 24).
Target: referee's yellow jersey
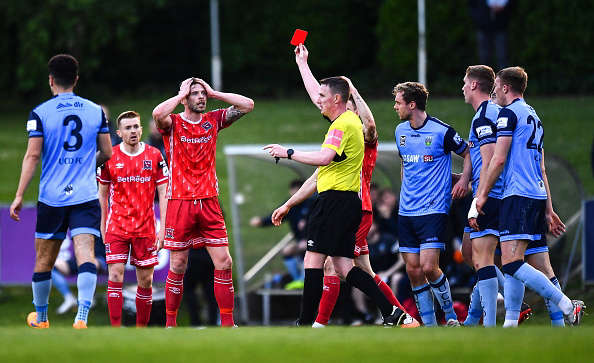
point(345, 136)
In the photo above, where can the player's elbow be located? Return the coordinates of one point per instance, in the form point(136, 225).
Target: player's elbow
point(248, 106)
point(326, 159)
point(33, 156)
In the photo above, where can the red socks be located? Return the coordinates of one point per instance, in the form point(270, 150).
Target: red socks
point(388, 292)
point(114, 302)
point(223, 291)
point(174, 289)
point(329, 297)
point(144, 302)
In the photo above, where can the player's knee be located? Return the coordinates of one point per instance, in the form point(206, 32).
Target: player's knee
point(145, 281)
point(329, 268)
point(223, 262)
point(116, 274)
point(429, 268)
point(178, 264)
point(414, 270)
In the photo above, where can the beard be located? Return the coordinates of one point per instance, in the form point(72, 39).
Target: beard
point(196, 107)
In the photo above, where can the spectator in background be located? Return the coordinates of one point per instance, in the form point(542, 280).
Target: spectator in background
point(155, 139)
point(491, 19)
point(200, 272)
point(115, 139)
point(297, 217)
point(386, 214)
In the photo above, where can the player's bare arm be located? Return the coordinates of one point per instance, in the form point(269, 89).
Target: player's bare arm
point(556, 226)
point(30, 161)
point(241, 105)
point(494, 170)
point(105, 151)
point(164, 109)
point(311, 84)
point(369, 128)
point(315, 158)
point(103, 192)
point(486, 151)
point(306, 190)
point(461, 186)
point(161, 190)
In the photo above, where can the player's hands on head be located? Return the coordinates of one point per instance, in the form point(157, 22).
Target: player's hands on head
point(280, 213)
point(15, 208)
point(301, 54)
point(276, 150)
point(184, 87)
point(556, 226)
point(352, 88)
point(207, 87)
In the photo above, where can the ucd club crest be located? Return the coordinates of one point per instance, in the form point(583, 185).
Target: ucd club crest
point(428, 140)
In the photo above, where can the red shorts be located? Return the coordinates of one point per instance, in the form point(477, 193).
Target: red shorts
point(142, 250)
point(361, 247)
point(194, 224)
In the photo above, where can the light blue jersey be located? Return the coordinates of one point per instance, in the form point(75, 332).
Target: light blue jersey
point(425, 153)
point(522, 174)
point(483, 130)
point(69, 126)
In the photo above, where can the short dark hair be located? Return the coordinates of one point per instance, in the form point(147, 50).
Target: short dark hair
point(515, 77)
point(484, 75)
point(413, 91)
point(337, 86)
point(127, 114)
point(64, 69)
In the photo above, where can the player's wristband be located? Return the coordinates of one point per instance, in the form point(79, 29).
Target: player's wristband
point(472, 212)
point(290, 153)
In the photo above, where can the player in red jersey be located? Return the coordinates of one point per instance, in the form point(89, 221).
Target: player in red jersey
point(194, 217)
point(129, 180)
point(331, 280)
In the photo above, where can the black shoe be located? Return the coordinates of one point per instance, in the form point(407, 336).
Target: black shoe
point(395, 318)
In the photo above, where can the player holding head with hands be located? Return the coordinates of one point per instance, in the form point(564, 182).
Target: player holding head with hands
point(127, 184)
point(70, 135)
point(194, 218)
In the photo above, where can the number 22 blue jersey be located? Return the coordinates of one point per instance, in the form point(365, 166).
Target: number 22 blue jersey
point(522, 174)
point(69, 125)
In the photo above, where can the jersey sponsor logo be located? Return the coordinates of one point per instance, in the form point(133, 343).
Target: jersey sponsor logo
point(147, 165)
point(402, 140)
point(411, 158)
point(427, 158)
point(502, 122)
point(69, 189)
point(206, 125)
point(31, 125)
point(428, 140)
point(119, 165)
point(484, 131)
point(69, 161)
point(458, 139)
point(134, 178)
point(196, 140)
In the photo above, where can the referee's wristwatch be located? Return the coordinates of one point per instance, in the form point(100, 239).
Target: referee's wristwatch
point(290, 153)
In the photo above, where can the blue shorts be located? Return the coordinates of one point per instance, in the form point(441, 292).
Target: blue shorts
point(488, 222)
point(537, 246)
point(416, 233)
point(53, 222)
point(522, 218)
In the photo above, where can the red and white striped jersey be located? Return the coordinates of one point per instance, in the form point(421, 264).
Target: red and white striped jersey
point(132, 181)
point(191, 151)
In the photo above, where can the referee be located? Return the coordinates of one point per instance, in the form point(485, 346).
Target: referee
point(336, 213)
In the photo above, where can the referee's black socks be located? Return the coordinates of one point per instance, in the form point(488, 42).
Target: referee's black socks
point(364, 282)
point(313, 286)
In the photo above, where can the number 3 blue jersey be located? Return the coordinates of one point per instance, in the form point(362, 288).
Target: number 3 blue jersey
point(522, 174)
point(69, 126)
point(427, 175)
point(483, 131)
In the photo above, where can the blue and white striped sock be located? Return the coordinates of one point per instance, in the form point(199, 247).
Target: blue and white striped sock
point(441, 290)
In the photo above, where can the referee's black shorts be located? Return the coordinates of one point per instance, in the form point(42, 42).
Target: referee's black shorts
point(333, 223)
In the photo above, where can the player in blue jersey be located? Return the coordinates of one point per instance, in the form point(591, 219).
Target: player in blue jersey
point(478, 84)
point(425, 144)
point(526, 207)
point(64, 133)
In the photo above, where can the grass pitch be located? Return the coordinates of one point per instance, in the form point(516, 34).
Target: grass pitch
point(283, 344)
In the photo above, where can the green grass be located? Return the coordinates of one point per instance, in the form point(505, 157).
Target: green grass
point(333, 344)
point(296, 121)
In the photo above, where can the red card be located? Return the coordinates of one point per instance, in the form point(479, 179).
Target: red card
point(298, 37)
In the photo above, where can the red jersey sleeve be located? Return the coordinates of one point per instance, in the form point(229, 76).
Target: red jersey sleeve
point(103, 175)
point(162, 172)
point(219, 115)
